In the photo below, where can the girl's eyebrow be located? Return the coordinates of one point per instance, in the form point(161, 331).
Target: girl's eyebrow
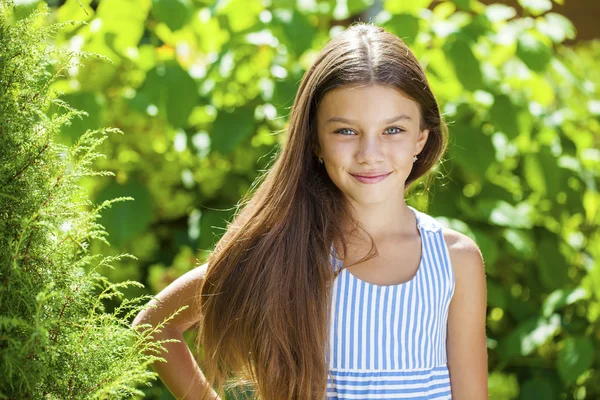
point(387, 121)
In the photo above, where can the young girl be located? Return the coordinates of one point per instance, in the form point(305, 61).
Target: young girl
point(326, 284)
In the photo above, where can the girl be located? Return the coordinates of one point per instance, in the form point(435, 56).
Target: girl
point(326, 284)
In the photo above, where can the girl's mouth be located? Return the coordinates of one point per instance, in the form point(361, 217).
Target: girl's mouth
point(370, 178)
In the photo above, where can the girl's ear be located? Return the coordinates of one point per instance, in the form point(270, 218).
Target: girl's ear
point(421, 140)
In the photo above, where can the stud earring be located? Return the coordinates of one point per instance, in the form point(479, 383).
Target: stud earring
point(415, 158)
point(320, 160)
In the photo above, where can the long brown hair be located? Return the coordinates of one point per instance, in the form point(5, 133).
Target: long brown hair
point(266, 296)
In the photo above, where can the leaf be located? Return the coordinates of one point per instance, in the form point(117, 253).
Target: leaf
point(496, 295)
point(464, 5)
point(499, 12)
point(410, 7)
point(479, 26)
point(534, 53)
point(466, 66)
point(231, 128)
point(528, 336)
point(174, 13)
point(125, 220)
point(538, 388)
point(503, 114)
point(556, 26)
point(552, 266)
point(576, 357)
point(503, 386)
point(405, 26)
point(506, 214)
point(536, 7)
point(241, 14)
point(532, 171)
point(560, 298)
point(473, 150)
point(521, 242)
point(122, 22)
point(171, 90)
point(555, 176)
point(357, 6)
point(74, 10)
point(291, 22)
point(181, 95)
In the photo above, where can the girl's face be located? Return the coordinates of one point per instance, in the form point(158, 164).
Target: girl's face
point(368, 136)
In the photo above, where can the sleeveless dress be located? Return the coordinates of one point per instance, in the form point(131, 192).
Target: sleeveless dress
point(389, 342)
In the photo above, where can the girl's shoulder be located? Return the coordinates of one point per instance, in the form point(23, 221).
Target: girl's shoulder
point(465, 256)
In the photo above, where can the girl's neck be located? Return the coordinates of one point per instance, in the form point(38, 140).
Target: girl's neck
point(382, 221)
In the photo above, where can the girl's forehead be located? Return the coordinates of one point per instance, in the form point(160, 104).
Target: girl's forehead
point(372, 99)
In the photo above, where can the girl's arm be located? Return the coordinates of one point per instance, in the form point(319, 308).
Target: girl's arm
point(180, 373)
point(466, 340)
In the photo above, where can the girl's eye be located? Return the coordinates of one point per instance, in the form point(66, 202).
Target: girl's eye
point(395, 130)
point(342, 130)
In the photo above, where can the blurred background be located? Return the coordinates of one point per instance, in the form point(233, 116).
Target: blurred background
point(202, 91)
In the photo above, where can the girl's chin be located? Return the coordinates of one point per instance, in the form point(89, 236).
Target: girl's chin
point(371, 198)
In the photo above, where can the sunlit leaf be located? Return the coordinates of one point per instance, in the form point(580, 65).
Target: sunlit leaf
point(560, 298)
point(499, 12)
point(400, 7)
point(536, 7)
point(534, 175)
point(528, 336)
point(122, 22)
point(505, 214)
point(405, 26)
point(520, 242)
point(241, 14)
point(75, 10)
point(534, 53)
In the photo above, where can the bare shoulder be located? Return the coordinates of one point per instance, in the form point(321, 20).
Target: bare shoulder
point(465, 255)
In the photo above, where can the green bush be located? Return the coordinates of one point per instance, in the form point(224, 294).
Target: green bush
point(57, 341)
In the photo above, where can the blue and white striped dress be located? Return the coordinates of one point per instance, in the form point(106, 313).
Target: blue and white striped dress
point(389, 342)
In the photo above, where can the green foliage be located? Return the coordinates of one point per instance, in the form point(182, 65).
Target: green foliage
point(57, 340)
point(202, 91)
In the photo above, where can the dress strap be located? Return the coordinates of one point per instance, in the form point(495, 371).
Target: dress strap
point(426, 221)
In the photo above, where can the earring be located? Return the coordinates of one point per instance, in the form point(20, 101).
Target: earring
point(320, 160)
point(415, 158)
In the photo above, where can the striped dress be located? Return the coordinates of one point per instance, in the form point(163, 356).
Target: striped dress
point(389, 342)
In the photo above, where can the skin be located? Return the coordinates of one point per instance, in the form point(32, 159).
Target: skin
point(358, 133)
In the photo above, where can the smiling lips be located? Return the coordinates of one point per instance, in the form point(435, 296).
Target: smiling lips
point(372, 177)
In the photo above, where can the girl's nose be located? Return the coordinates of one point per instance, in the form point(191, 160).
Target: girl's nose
point(369, 150)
